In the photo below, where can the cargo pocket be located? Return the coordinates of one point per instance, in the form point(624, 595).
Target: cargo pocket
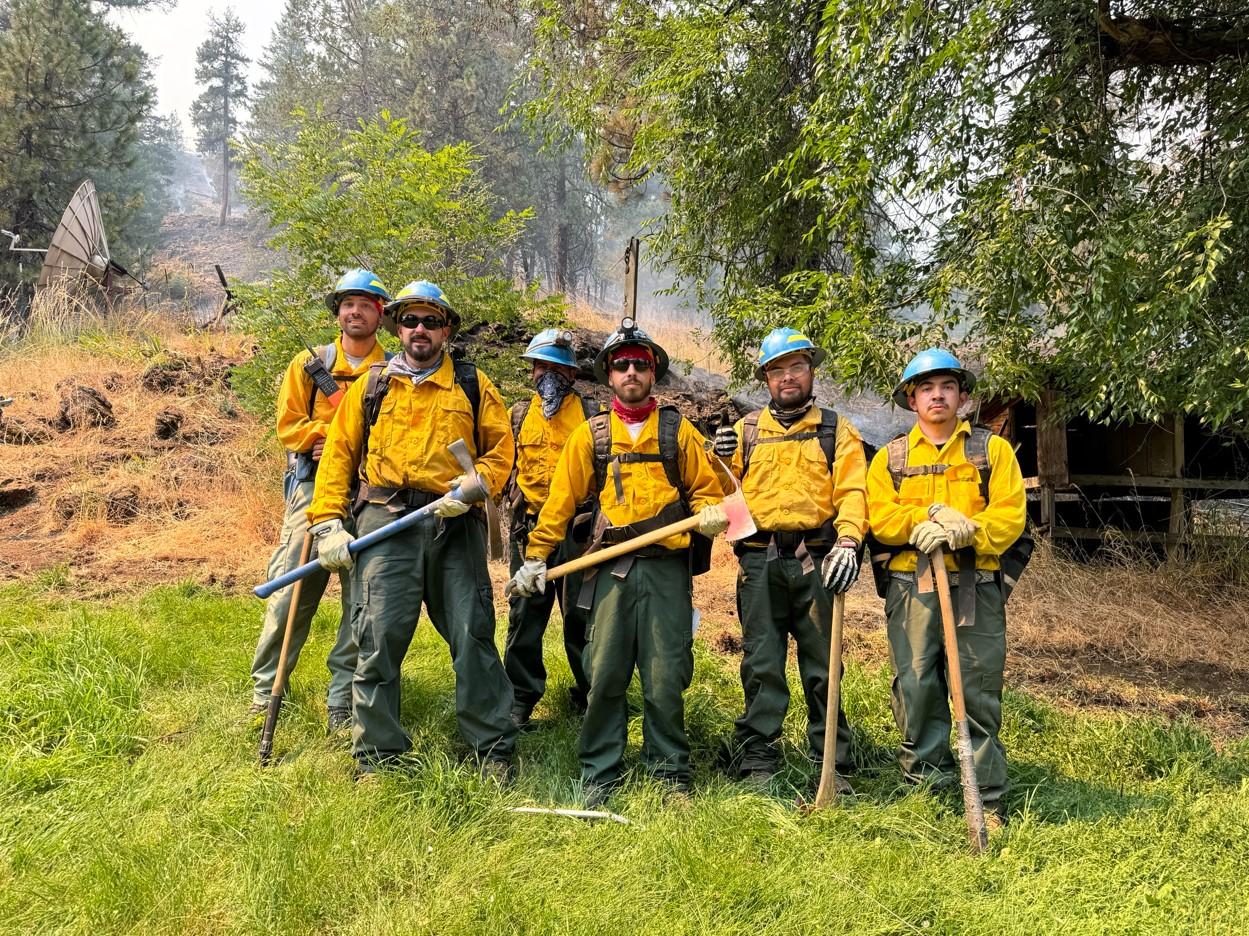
point(361, 624)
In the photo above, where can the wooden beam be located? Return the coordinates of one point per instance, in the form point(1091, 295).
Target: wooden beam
point(1149, 481)
point(1146, 536)
point(1051, 441)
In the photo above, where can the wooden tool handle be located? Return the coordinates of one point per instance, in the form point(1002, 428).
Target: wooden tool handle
point(827, 791)
point(973, 805)
point(622, 549)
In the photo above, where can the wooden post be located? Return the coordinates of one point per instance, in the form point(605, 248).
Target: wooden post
point(631, 278)
point(1178, 523)
point(1051, 455)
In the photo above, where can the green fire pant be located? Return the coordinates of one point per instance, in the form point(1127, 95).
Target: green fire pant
point(342, 658)
point(775, 599)
point(526, 625)
point(921, 691)
point(447, 571)
point(644, 620)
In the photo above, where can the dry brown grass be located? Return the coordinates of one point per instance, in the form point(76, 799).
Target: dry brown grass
point(117, 504)
point(684, 340)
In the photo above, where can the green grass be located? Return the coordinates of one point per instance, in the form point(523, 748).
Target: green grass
point(131, 802)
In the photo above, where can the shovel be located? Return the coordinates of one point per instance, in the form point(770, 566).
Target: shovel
point(471, 491)
point(741, 525)
point(973, 806)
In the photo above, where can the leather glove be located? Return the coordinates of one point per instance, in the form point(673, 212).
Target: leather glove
point(451, 506)
point(928, 535)
point(530, 579)
point(840, 569)
point(332, 543)
point(961, 528)
point(712, 520)
point(726, 442)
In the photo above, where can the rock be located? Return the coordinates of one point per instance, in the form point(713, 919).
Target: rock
point(83, 407)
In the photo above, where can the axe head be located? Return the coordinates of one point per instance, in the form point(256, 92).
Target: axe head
point(741, 523)
point(472, 491)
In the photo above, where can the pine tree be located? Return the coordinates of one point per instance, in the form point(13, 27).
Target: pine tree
point(74, 93)
point(221, 68)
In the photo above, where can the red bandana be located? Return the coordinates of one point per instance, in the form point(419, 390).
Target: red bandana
point(633, 351)
point(634, 414)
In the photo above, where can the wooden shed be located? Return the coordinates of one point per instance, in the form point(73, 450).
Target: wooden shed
point(1141, 479)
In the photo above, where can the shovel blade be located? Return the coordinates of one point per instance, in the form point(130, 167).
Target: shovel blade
point(741, 523)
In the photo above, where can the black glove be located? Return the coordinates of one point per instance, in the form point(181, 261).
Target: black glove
point(726, 442)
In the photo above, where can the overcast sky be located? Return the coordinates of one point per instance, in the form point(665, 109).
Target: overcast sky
point(170, 38)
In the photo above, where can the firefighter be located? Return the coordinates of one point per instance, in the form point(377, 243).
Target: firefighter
point(646, 466)
point(303, 419)
point(541, 426)
point(392, 431)
point(947, 484)
point(804, 476)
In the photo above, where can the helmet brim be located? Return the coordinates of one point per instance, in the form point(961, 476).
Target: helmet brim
point(817, 356)
point(966, 379)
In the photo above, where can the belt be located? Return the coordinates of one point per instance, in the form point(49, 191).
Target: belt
point(983, 577)
point(396, 500)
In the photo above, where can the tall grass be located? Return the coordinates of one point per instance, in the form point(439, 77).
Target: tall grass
point(132, 803)
point(68, 313)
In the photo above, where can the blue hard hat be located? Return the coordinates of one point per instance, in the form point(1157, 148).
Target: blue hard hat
point(356, 282)
point(783, 341)
point(553, 345)
point(927, 362)
point(629, 334)
point(419, 292)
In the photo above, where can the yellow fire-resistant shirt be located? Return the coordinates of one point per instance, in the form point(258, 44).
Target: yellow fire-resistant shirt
point(789, 485)
point(408, 444)
point(539, 445)
point(646, 487)
point(895, 513)
point(296, 430)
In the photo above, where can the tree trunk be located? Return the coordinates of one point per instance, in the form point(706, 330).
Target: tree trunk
point(562, 232)
point(225, 150)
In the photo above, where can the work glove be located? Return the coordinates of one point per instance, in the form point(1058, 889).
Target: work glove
point(726, 442)
point(530, 579)
point(451, 506)
point(961, 528)
point(712, 520)
point(332, 543)
point(840, 569)
point(928, 535)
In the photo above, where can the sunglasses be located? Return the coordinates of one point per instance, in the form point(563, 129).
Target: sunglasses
point(621, 365)
point(431, 322)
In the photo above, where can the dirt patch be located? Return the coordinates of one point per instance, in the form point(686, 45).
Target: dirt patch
point(14, 498)
point(168, 422)
point(23, 432)
point(183, 375)
point(83, 407)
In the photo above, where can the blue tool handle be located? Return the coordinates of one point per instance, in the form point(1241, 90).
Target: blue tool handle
point(364, 542)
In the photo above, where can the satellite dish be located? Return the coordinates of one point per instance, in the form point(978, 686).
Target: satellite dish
point(79, 245)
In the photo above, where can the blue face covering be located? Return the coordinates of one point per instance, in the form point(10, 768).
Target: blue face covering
point(552, 387)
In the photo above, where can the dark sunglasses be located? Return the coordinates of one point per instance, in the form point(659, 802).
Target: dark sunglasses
point(431, 322)
point(621, 365)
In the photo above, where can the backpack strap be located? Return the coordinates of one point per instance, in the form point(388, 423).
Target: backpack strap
point(374, 393)
point(520, 410)
point(669, 451)
point(466, 377)
point(899, 451)
point(826, 432)
point(750, 435)
point(976, 450)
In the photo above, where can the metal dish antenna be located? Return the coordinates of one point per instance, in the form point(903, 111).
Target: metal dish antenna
point(79, 244)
